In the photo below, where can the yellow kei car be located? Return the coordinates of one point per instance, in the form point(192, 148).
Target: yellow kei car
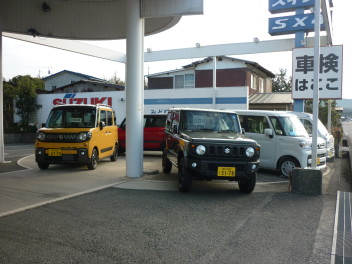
point(77, 134)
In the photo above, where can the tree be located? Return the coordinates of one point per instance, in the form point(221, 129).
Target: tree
point(323, 112)
point(25, 99)
point(9, 96)
point(282, 83)
point(116, 80)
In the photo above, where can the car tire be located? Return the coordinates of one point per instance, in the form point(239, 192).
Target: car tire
point(43, 166)
point(114, 156)
point(287, 165)
point(248, 185)
point(166, 164)
point(93, 162)
point(185, 179)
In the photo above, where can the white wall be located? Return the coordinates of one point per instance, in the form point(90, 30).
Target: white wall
point(156, 101)
point(61, 80)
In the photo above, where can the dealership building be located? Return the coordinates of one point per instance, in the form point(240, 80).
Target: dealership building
point(192, 85)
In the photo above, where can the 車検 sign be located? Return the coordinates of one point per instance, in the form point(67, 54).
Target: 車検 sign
point(330, 73)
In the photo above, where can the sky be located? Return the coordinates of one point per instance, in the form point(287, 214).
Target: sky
point(223, 22)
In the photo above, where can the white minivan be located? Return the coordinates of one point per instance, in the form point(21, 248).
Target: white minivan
point(307, 121)
point(285, 143)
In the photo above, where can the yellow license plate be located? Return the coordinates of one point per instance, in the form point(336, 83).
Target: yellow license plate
point(318, 161)
point(226, 171)
point(54, 152)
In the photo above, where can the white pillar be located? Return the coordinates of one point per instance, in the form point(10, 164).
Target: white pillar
point(2, 152)
point(134, 89)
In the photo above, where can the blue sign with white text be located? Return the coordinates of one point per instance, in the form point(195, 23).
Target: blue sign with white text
point(280, 6)
point(292, 24)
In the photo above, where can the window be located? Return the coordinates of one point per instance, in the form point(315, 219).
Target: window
point(103, 116)
point(53, 87)
point(261, 85)
point(184, 81)
point(179, 81)
point(255, 124)
point(109, 118)
point(189, 81)
point(254, 82)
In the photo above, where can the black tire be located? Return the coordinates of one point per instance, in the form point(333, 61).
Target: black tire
point(185, 179)
point(93, 162)
point(114, 156)
point(287, 165)
point(248, 185)
point(121, 150)
point(166, 164)
point(43, 166)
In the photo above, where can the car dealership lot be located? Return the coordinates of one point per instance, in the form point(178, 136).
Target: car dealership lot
point(31, 187)
point(146, 220)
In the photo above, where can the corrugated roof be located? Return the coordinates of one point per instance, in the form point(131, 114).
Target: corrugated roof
point(271, 98)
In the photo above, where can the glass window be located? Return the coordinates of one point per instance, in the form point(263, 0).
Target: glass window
point(103, 116)
point(210, 121)
point(71, 117)
point(288, 126)
point(179, 81)
point(189, 81)
point(256, 124)
point(109, 118)
point(261, 85)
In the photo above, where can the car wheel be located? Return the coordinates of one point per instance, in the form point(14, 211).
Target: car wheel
point(121, 150)
point(113, 157)
point(247, 185)
point(287, 165)
point(166, 164)
point(43, 166)
point(93, 160)
point(185, 179)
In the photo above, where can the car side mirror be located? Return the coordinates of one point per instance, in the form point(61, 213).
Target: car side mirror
point(268, 132)
point(243, 131)
point(101, 124)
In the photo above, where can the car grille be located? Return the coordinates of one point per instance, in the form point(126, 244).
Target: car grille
point(61, 137)
point(229, 151)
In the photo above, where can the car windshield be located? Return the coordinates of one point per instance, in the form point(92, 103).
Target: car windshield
point(210, 121)
point(71, 117)
point(288, 126)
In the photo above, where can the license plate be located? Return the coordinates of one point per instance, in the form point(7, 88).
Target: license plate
point(54, 152)
point(318, 161)
point(227, 171)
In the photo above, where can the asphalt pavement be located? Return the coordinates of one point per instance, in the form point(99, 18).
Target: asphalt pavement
point(69, 214)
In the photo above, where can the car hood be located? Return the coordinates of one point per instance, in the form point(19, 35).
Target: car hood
point(212, 135)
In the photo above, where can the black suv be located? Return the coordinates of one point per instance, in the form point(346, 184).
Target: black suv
point(209, 145)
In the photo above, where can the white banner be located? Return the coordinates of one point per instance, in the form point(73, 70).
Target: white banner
point(330, 73)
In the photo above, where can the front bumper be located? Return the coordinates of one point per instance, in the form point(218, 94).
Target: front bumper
point(68, 155)
point(207, 169)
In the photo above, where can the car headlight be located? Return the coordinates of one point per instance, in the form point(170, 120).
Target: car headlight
point(41, 136)
point(250, 152)
point(200, 150)
point(84, 136)
point(307, 145)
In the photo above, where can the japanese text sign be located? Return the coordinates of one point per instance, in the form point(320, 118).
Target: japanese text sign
point(330, 73)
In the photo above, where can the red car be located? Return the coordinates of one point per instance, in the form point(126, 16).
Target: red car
point(154, 134)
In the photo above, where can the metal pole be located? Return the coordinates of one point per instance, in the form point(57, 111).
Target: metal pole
point(316, 83)
point(134, 90)
point(2, 152)
point(329, 116)
point(214, 82)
